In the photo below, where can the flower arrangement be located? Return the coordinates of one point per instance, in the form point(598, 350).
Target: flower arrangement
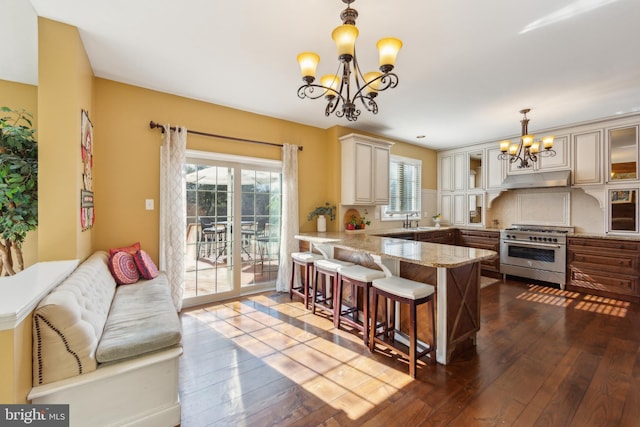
point(328, 209)
point(437, 217)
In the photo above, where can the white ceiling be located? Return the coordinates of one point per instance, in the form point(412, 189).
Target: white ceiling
point(466, 68)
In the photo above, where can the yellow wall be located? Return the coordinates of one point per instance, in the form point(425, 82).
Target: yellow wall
point(65, 88)
point(15, 363)
point(126, 168)
point(19, 96)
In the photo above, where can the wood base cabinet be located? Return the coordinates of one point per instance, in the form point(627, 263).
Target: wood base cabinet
point(483, 239)
point(445, 237)
point(605, 267)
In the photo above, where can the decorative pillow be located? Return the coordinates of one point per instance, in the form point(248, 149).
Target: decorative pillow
point(129, 249)
point(123, 268)
point(147, 268)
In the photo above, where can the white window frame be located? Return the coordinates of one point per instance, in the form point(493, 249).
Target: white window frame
point(417, 204)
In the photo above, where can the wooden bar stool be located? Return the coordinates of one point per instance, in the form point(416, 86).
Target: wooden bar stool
point(305, 261)
point(325, 284)
point(360, 278)
point(412, 293)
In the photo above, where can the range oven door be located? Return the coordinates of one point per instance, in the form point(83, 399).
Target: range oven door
point(534, 260)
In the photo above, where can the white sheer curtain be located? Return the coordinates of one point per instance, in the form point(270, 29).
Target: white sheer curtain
point(172, 210)
point(290, 221)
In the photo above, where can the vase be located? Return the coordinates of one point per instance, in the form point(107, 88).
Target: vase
point(437, 222)
point(322, 224)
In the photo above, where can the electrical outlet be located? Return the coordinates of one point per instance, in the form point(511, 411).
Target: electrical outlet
point(148, 204)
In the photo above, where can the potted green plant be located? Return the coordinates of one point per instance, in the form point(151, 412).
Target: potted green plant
point(320, 212)
point(363, 223)
point(353, 223)
point(18, 186)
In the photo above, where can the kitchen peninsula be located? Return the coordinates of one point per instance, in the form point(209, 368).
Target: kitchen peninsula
point(453, 270)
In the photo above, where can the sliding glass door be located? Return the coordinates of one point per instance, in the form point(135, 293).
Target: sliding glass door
point(233, 226)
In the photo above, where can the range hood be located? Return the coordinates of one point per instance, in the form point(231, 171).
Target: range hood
point(538, 180)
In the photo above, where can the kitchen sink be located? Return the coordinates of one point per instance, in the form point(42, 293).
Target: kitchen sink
point(422, 228)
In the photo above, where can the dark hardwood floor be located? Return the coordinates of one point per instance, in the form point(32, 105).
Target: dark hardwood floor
point(544, 357)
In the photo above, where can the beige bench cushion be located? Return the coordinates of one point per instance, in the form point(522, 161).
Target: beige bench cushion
point(68, 322)
point(142, 319)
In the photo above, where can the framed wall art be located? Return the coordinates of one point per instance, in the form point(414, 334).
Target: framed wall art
point(87, 215)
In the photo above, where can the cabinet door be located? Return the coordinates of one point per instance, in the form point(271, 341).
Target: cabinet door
point(587, 158)
point(446, 173)
point(496, 168)
point(381, 175)
point(622, 148)
point(364, 173)
point(459, 209)
point(460, 172)
point(560, 160)
point(446, 202)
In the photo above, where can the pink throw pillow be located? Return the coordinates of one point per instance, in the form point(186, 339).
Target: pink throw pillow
point(147, 268)
point(123, 268)
point(132, 249)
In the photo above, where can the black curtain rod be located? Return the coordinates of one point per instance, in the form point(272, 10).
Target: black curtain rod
point(154, 125)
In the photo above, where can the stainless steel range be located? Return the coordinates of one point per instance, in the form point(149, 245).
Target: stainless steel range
point(535, 252)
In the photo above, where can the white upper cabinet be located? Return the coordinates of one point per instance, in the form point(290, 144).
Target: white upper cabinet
point(561, 160)
point(587, 158)
point(365, 170)
point(453, 172)
point(460, 171)
point(622, 149)
point(496, 169)
point(445, 173)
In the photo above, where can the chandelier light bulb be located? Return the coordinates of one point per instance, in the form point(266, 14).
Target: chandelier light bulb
point(308, 64)
point(372, 84)
point(345, 37)
point(547, 142)
point(330, 81)
point(535, 147)
point(527, 140)
point(388, 49)
point(504, 145)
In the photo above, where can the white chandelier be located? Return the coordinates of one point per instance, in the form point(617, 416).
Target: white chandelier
point(340, 88)
point(527, 150)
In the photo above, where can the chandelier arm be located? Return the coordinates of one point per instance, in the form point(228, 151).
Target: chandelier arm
point(308, 91)
point(389, 80)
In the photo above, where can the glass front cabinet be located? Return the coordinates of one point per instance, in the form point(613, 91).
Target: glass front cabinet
point(622, 191)
point(623, 210)
point(623, 154)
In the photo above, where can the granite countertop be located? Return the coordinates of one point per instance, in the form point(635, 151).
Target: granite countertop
point(421, 253)
point(605, 236)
